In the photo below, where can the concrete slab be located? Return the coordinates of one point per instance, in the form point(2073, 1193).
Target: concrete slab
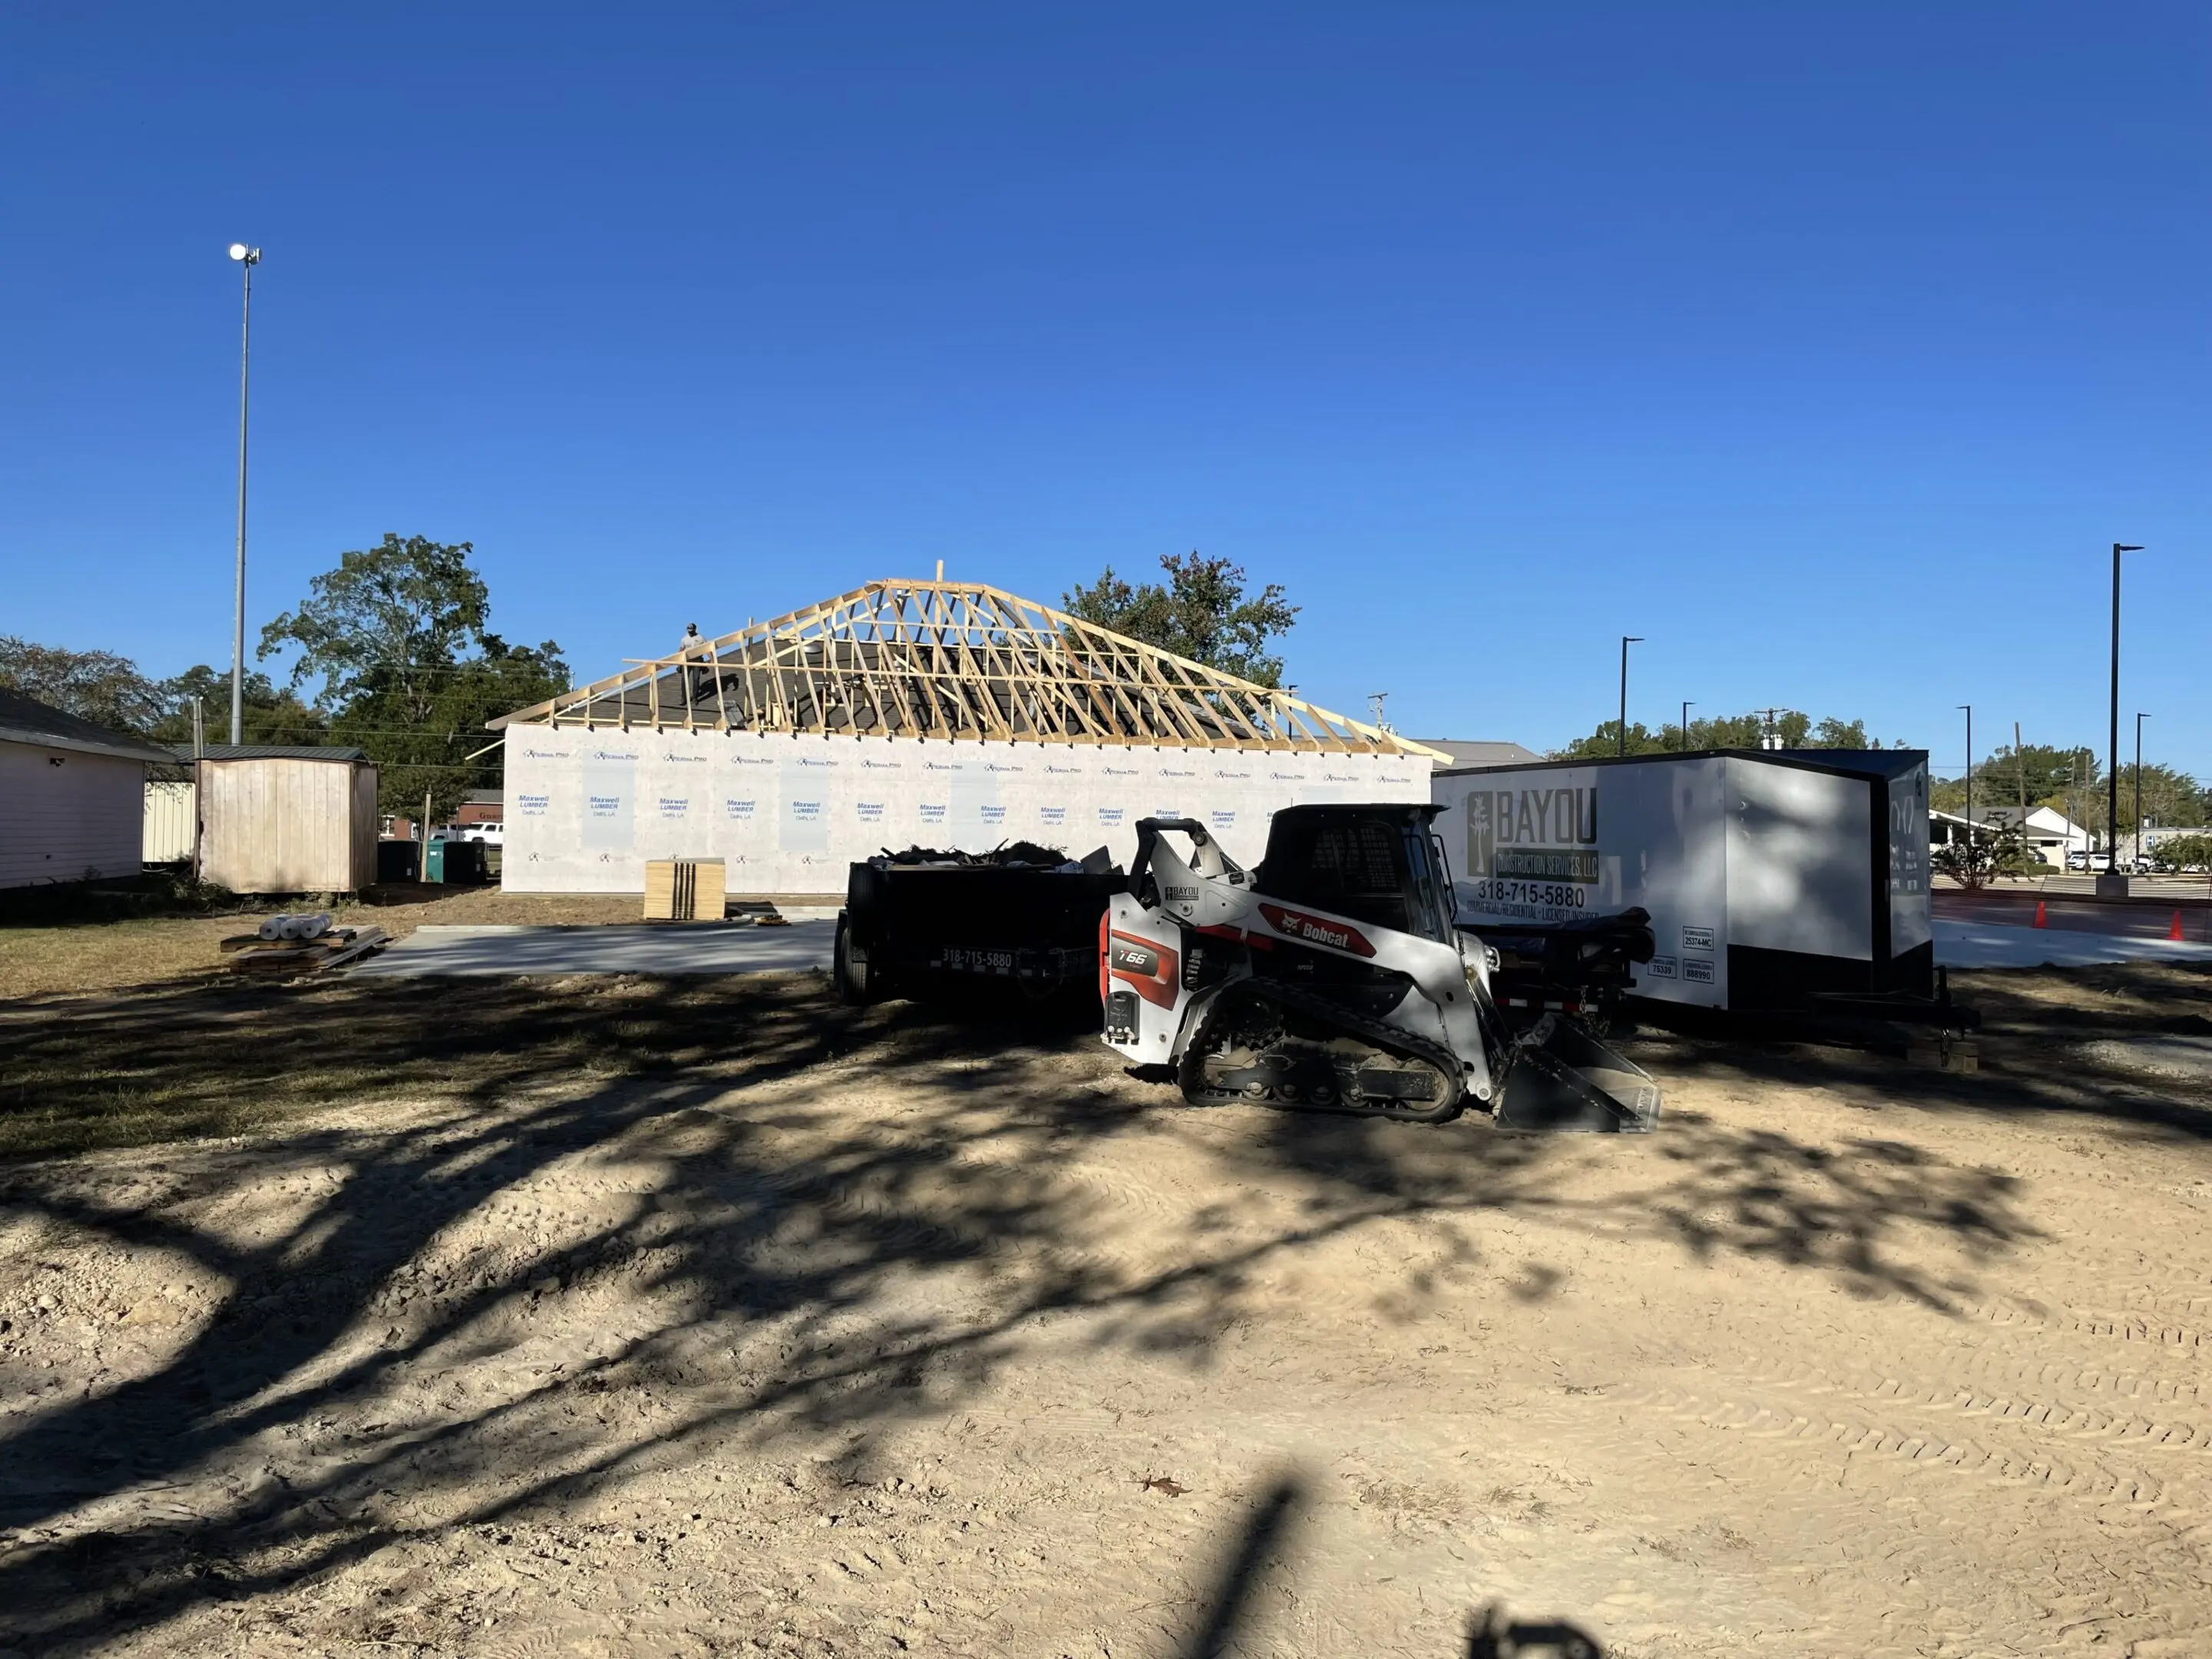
point(1991, 945)
point(629, 948)
point(708, 948)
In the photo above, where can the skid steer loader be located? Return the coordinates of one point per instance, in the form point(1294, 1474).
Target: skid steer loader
point(1333, 978)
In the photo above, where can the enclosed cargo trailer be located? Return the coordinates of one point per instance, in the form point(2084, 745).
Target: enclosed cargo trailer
point(1774, 879)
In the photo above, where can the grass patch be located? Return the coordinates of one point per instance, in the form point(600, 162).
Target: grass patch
point(242, 1059)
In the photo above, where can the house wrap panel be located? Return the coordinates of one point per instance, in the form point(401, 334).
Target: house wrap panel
point(788, 813)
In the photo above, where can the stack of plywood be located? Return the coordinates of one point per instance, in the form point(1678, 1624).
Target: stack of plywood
point(684, 890)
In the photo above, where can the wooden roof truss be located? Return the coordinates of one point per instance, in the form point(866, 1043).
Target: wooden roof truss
point(952, 660)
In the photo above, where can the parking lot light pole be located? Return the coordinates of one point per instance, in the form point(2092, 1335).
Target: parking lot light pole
point(1626, 639)
point(2140, 719)
point(2113, 784)
point(247, 258)
point(1969, 707)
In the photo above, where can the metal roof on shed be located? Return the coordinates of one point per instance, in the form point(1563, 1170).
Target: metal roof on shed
point(229, 751)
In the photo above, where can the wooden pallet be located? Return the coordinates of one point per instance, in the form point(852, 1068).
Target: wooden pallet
point(278, 959)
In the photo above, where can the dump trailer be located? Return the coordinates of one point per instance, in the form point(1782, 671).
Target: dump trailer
point(1335, 978)
point(923, 920)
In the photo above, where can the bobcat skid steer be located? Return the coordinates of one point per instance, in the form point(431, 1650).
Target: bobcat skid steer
point(1332, 979)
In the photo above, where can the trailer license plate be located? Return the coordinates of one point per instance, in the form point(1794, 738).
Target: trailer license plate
point(964, 959)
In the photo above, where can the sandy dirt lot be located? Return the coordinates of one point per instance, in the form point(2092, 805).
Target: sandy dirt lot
point(600, 1318)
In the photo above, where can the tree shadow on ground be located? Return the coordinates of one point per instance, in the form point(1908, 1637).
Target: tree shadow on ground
point(829, 1218)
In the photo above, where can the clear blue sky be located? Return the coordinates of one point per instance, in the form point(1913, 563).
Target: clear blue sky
point(1829, 350)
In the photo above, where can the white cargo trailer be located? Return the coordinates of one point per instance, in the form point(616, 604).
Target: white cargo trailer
point(1771, 875)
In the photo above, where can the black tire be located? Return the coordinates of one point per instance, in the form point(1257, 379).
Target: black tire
point(848, 967)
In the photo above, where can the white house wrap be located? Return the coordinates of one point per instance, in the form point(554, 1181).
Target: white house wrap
point(943, 715)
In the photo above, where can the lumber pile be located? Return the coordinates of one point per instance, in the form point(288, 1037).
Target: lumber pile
point(685, 890)
point(280, 957)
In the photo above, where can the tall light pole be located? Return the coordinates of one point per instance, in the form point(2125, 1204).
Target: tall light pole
point(2112, 789)
point(247, 258)
point(2140, 719)
point(1969, 707)
point(1626, 639)
point(1686, 706)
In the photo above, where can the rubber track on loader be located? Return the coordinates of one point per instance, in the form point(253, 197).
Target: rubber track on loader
point(1191, 1072)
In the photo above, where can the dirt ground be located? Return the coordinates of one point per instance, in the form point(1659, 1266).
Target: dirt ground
point(710, 1318)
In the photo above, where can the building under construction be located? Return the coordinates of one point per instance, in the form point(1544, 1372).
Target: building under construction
point(948, 714)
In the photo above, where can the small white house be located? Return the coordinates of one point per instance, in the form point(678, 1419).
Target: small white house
point(2050, 834)
point(72, 796)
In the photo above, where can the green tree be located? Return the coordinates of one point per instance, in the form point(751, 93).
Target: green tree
point(2184, 852)
point(1971, 861)
point(98, 686)
point(268, 712)
point(397, 639)
point(1606, 740)
point(1832, 734)
point(1749, 731)
point(2168, 796)
point(1201, 613)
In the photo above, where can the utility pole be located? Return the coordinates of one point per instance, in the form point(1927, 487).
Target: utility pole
point(2020, 772)
point(1626, 639)
point(1969, 707)
point(1687, 706)
point(2113, 784)
point(199, 778)
point(247, 258)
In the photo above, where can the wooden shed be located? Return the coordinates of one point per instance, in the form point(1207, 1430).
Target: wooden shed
point(280, 818)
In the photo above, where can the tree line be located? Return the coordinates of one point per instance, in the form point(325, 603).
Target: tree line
point(391, 652)
point(2070, 781)
point(1749, 731)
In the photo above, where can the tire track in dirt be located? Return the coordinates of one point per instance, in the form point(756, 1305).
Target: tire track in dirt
point(2145, 1327)
point(2171, 1430)
point(1743, 1418)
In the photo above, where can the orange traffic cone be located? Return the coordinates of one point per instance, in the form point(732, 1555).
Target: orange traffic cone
point(2041, 920)
point(2174, 932)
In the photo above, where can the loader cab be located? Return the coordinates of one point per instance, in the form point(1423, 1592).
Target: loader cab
point(1377, 864)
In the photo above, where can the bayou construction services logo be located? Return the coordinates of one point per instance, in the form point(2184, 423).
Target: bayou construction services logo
point(1533, 834)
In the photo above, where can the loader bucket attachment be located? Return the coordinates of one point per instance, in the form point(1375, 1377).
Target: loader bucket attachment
point(1564, 1080)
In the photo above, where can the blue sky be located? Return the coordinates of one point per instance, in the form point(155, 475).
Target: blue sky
point(1828, 348)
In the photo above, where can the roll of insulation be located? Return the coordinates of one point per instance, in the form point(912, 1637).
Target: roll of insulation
point(316, 925)
point(273, 927)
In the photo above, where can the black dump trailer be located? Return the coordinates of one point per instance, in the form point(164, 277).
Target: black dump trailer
point(1022, 915)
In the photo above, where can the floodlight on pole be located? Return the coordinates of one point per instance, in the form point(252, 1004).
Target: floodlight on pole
point(245, 259)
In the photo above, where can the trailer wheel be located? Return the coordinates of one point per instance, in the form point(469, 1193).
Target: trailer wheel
point(848, 967)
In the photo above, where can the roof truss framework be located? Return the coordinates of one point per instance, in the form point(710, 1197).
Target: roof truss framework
point(953, 660)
